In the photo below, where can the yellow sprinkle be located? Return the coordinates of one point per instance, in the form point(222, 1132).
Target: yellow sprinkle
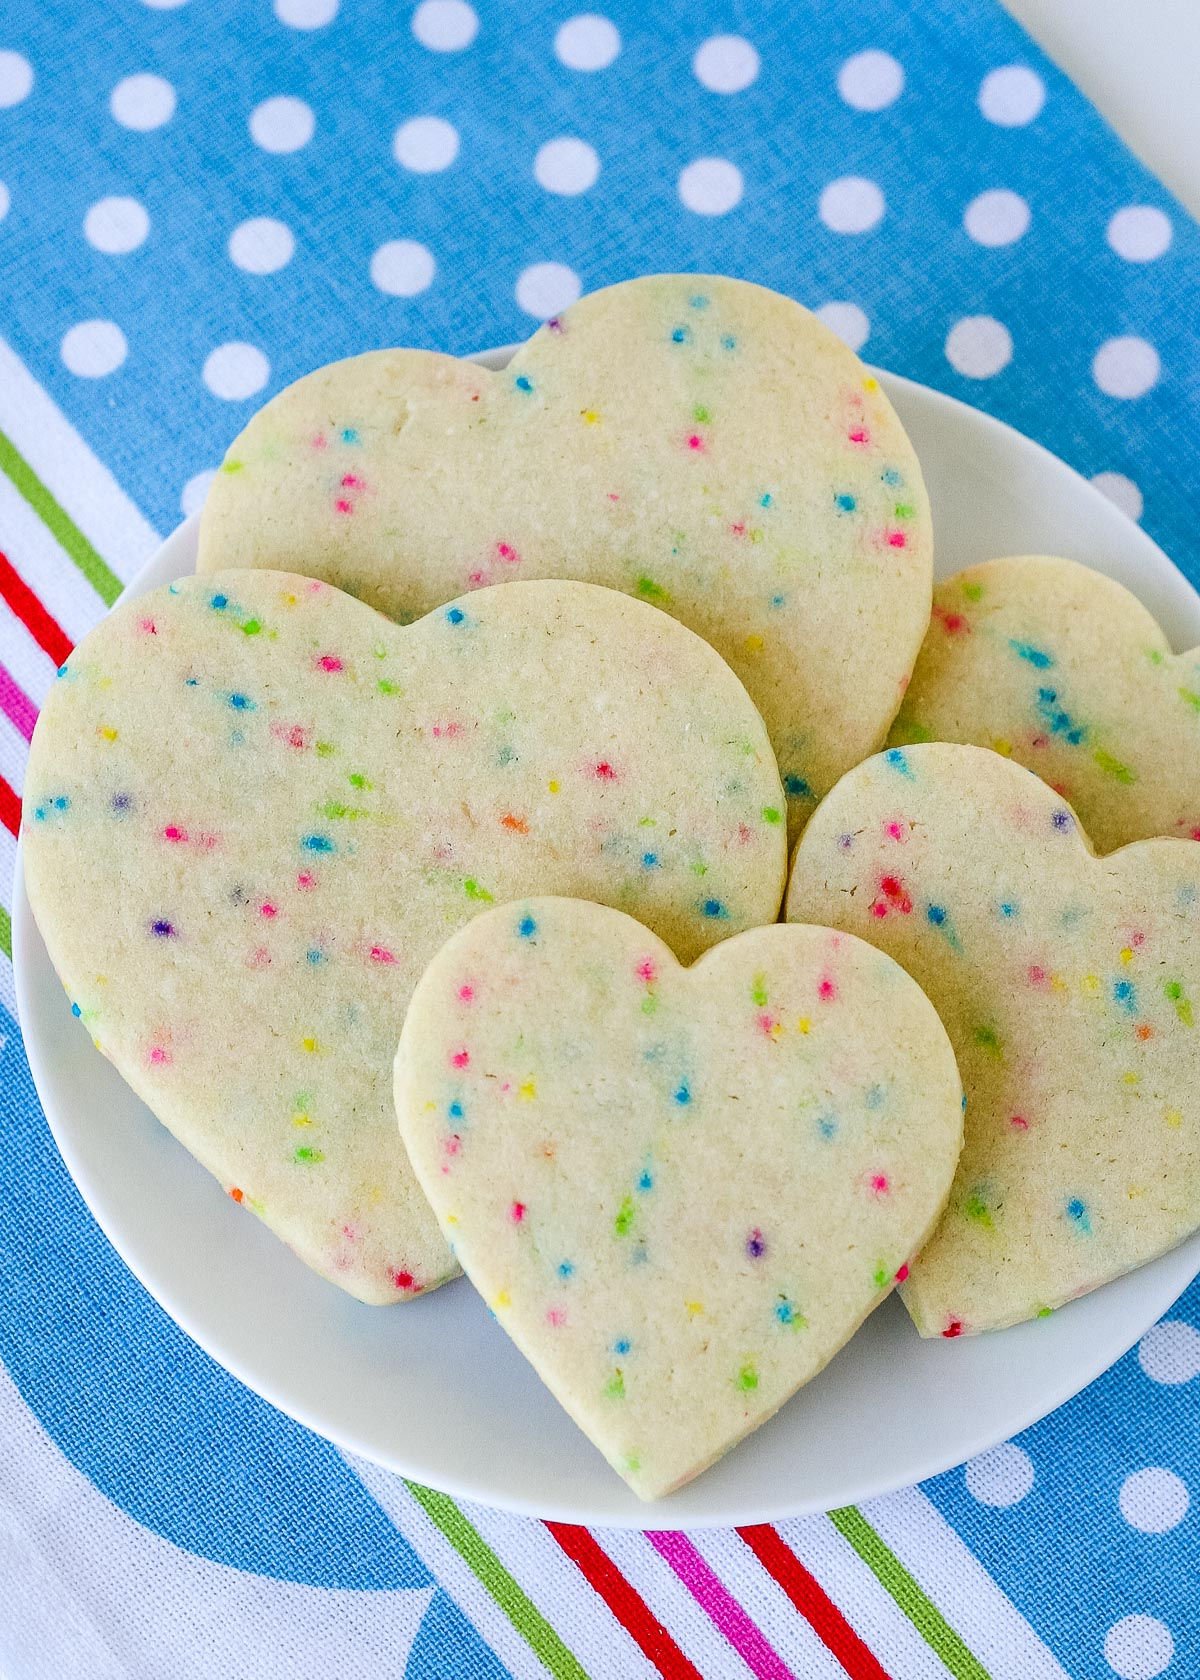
point(754, 644)
point(528, 1090)
point(1131, 1078)
point(375, 1194)
point(452, 1219)
point(803, 1024)
point(1058, 984)
point(870, 383)
point(309, 1044)
point(504, 1299)
point(1090, 984)
point(1002, 745)
point(590, 416)
point(288, 600)
point(299, 1119)
point(108, 733)
point(1173, 1118)
point(553, 786)
point(1127, 955)
point(1134, 1191)
point(694, 1308)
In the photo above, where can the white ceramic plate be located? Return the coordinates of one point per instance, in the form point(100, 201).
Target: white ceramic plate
point(435, 1389)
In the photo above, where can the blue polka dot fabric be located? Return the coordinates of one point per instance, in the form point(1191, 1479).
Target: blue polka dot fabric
point(201, 200)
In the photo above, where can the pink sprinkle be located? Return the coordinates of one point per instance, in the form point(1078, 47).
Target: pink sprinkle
point(148, 626)
point(320, 441)
point(306, 881)
point(174, 834)
point(350, 1232)
point(879, 1184)
point(381, 954)
point(460, 1059)
point(330, 662)
point(613, 497)
point(766, 1024)
point(476, 578)
point(894, 831)
point(1019, 1123)
point(1136, 939)
point(446, 731)
point(452, 1144)
point(507, 552)
point(902, 1274)
point(268, 910)
point(696, 441)
point(745, 834)
point(260, 958)
point(739, 530)
point(859, 434)
point(827, 991)
point(879, 908)
point(159, 1057)
point(646, 971)
point(517, 1212)
point(342, 506)
point(351, 482)
point(604, 771)
point(897, 539)
point(1037, 976)
point(556, 1317)
point(404, 1280)
point(466, 994)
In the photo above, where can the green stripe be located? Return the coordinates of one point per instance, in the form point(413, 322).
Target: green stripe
point(516, 1605)
point(58, 522)
point(921, 1611)
point(5, 932)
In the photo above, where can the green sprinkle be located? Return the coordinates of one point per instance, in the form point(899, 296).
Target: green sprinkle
point(758, 991)
point(973, 591)
point(386, 687)
point(479, 894)
point(232, 466)
point(614, 1388)
point(623, 1223)
point(701, 415)
point(771, 814)
point(1193, 700)
point(650, 1002)
point(380, 650)
point(335, 811)
point(977, 1210)
point(904, 510)
point(1113, 767)
point(632, 1463)
point(880, 1277)
point(989, 1040)
point(1183, 1006)
point(747, 1379)
point(699, 868)
point(1044, 1312)
point(325, 749)
point(651, 591)
point(308, 1157)
point(252, 627)
point(1154, 656)
point(358, 780)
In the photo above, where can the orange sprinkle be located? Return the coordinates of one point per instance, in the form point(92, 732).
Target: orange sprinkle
point(517, 824)
point(236, 1194)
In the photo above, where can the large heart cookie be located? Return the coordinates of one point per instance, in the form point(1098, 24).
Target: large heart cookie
point(1069, 985)
point(702, 443)
point(255, 808)
point(681, 1191)
point(1066, 671)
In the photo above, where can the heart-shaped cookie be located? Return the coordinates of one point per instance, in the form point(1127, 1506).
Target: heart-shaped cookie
point(255, 808)
point(680, 1190)
point(1064, 670)
point(1069, 985)
point(702, 443)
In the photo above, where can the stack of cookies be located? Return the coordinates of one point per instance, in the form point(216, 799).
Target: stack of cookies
point(483, 731)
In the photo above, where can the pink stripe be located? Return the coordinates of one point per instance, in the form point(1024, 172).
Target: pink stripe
point(722, 1609)
point(16, 705)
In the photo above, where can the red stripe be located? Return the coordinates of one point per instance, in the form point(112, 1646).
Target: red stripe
point(813, 1602)
point(46, 631)
point(10, 808)
point(626, 1604)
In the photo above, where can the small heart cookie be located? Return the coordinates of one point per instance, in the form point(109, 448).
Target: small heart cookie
point(1069, 985)
point(702, 443)
point(255, 808)
point(680, 1190)
point(1064, 670)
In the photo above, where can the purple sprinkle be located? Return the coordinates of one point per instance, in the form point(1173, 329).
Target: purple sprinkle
point(1061, 819)
point(756, 1244)
point(164, 930)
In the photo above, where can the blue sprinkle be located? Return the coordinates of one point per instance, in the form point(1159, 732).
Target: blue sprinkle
point(61, 802)
point(785, 1312)
point(121, 802)
point(527, 927)
point(318, 843)
point(714, 910)
point(729, 342)
point(698, 302)
point(680, 335)
point(765, 499)
point(778, 600)
point(191, 682)
point(1008, 909)
point(683, 1095)
point(241, 703)
point(936, 914)
point(505, 755)
point(455, 1111)
point(76, 1011)
point(1125, 993)
point(455, 615)
point(39, 813)
point(1034, 656)
point(523, 382)
point(640, 1255)
point(796, 787)
point(1077, 1211)
point(61, 672)
point(889, 475)
point(646, 1181)
point(1061, 820)
point(827, 1126)
point(895, 757)
point(622, 1346)
point(163, 929)
point(220, 602)
point(875, 1096)
point(349, 435)
point(844, 503)
point(649, 860)
point(565, 1268)
point(315, 956)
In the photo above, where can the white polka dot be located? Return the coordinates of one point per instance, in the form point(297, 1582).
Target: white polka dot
point(306, 14)
point(1140, 232)
point(587, 42)
point(425, 145)
point(710, 186)
point(236, 371)
point(726, 63)
point(1153, 1500)
point(871, 80)
point(851, 205)
point(1170, 1352)
point(979, 346)
point(847, 320)
point(402, 268)
point(1138, 1647)
point(445, 25)
point(142, 102)
point(544, 289)
point(164, 5)
point(1126, 367)
point(998, 217)
point(261, 246)
point(16, 79)
point(566, 166)
point(1000, 1477)
point(5, 201)
point(195, 490)
point(116, 225)
point(282, 124)
point(1122, 492)
point(94, 348)
point(1011, 96)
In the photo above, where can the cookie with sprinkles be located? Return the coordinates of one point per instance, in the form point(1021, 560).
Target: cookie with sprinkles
point(1062, 669)
point(704, 444)
point(1069, 985)
point(679, 1190)
point(254, 808)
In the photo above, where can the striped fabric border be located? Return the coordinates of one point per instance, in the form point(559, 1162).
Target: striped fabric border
point(861, 1622)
